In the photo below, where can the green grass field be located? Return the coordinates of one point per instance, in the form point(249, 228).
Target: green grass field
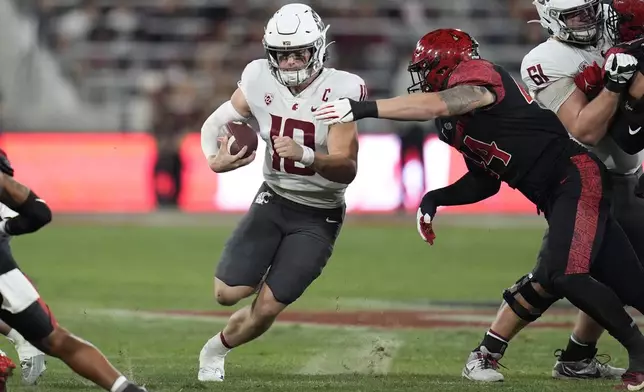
point(100, 279)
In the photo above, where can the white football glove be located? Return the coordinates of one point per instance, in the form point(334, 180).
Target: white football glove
point(334, 112)
point(619, 69)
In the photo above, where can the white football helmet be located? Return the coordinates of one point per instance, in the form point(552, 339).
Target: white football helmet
point(295, 27)
point(579, 22)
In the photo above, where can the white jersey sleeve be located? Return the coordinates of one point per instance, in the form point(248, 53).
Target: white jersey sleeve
point(551, 61)
point(548, 71)
point(250, 77)
point(356, 88)
point(556, 94)
point(6, 212)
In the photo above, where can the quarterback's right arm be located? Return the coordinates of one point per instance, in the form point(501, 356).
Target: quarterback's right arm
point(236, 109)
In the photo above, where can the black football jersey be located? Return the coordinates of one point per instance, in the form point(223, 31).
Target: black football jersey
point(514, 140)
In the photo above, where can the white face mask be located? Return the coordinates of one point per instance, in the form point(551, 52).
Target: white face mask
point(294, 67)
point(583, 24)
point(294, 78)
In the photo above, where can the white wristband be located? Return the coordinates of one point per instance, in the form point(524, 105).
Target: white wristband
point(308, 156)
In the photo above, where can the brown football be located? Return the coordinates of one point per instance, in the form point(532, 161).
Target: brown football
point(241, 134)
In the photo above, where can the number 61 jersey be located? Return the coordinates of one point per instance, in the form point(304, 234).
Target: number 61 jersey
point(514, 139)
point(553, 70)
point(280, 113)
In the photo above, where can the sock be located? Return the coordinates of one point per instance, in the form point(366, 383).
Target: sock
point(634, 344)
point(495, 343)
point(217, 345)
point(14, 336)
point(578, 351)
point(602, 304)
point(119, 385)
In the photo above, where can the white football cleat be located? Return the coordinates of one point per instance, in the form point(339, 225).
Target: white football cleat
point(482, 366)
point(211, 367)
point(32, 360)
point(32, 368)
point(589, 368)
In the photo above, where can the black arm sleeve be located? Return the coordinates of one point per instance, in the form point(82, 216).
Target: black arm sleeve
point(626, 128)
point(34, 214)
point(474, 186)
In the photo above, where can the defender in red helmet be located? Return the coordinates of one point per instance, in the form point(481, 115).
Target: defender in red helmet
point(436, 55)
point(504, 136)
point(625, 20)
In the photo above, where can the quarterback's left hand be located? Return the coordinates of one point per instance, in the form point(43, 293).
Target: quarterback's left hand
point(287, 148)
point(340, 111)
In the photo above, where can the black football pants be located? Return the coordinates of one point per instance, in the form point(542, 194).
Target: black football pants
point(588, 258)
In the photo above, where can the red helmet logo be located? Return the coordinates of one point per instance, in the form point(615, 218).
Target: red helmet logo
point(436, 55)
point(625, 20)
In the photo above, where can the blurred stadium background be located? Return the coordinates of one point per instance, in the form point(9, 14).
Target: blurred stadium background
point(124, 86)
point(101, 103)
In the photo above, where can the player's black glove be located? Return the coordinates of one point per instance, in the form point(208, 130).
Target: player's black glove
point(619, 68)
point(5, 165)
point(424, 217)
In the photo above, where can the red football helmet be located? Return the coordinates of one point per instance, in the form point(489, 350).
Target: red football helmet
point(625, 20)
point(436, 56)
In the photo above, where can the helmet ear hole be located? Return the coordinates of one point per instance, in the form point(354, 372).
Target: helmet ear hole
point(442, 71)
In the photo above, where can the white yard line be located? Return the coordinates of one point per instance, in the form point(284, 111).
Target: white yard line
point(463, 317)
point(147, 315)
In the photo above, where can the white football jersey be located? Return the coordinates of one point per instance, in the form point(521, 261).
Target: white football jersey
point(6, 212)
point(554, 60)
point(279, 113)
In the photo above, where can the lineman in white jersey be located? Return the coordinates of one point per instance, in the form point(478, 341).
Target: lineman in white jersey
point(561, 75)
point(32, 360)
point(287, 236)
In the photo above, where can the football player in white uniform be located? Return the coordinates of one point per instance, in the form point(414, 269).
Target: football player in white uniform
point(32, 360)
point(286, 238)
point(564, 75)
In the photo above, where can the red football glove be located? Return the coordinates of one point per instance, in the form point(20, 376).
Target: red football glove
point(590, 80)
point(424, 227)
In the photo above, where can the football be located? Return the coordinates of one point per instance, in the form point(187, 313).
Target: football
point(241, 134)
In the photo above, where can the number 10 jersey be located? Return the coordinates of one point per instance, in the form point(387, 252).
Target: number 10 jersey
point(280, 113)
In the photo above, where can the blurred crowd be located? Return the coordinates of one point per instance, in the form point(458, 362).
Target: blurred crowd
point(166, 64)
point(175, 60)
